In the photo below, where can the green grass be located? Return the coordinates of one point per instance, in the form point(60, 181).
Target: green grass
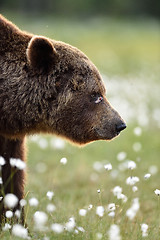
point(127, 50)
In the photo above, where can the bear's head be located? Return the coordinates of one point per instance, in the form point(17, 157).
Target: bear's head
point(74, 96)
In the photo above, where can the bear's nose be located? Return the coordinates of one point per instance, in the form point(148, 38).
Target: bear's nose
point(121, 126)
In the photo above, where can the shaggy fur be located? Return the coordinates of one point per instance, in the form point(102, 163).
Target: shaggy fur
point(51, 87)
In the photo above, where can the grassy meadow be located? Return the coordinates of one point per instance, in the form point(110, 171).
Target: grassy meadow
point(127, 53)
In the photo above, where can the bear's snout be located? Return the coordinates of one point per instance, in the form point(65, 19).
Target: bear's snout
point(120, 126)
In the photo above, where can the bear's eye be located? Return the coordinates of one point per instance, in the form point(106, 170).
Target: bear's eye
point(99, 99)
point(96, 98)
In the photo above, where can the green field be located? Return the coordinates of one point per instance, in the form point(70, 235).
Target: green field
point(127, 52)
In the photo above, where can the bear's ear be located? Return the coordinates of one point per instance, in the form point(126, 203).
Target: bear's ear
point(41, 54)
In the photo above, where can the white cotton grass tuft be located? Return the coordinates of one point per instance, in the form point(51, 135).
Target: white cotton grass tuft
point(9, 214)
point(17, 163)
point(108, 167)
point(6, 227)
point(17, 213)
point(121, 156)
point(111, 207)
point(134, 188)
point(100, 211)
point(50, 195)
point(43, 143)
point(131, 165)
point(137, 131)
point(2, 161)
point(63, 161)
point(157, 192)
point(147, 176)
point(10, 200)
point(132, 211)
point(114, 232)
point(33, 202)
point(70, 225)
point(90, 207)
point(137, 146)
point(57, 228)
point(57, 143)
point(117, 190)
point(82, 212)
point(1, 181)
point(40, 219)
point(144, 229)
point(22, 202)
point(99, 236)
point(98, 166)
point(132, 180)
point(50, 208)
point(153, 169)
point(98, 191)
point(19, 231)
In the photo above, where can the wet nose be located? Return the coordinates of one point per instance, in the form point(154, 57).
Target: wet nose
point(121, 126)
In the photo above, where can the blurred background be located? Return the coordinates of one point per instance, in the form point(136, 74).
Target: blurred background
point(122, 38)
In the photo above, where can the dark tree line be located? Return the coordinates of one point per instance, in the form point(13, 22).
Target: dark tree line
point(86, 8)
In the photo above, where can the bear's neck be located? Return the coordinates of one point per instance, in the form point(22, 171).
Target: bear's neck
point(12, 39)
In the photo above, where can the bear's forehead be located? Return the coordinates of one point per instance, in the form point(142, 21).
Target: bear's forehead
point(90, 76)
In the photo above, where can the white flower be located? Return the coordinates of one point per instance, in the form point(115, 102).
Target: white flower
point(2, 161)
point(98, 190)
point(50, 195)
point(111, 207)
point(10, 200)
point(132, 180)
point(157, 192)
point(144, 229)
point(57, 228)
point(82, 212)
point(147, 176)
point(131, 165)
point(51, 208)
point(117, 190)
point(137, 131)
point(108, 167)
point(114, 232)
point(9, 214)
point(1, 198)
point(19, 231)
point(6, 227)
point(40, 219)
point(22, 202)
point(100, 211)
point(33, 202)
point(121, 156)
point(18, 163)
point(63, 161)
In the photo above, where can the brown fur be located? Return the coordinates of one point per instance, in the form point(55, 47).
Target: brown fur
point(48, 86)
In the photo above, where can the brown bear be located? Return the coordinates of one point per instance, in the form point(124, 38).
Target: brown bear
point(47, 86)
